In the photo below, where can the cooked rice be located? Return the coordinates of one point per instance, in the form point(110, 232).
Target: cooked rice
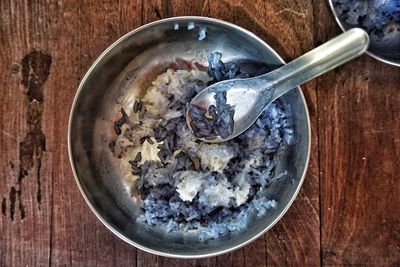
point(379, 18)
point(211, 188)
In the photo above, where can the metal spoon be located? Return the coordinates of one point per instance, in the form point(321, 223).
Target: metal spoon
point(251, 96)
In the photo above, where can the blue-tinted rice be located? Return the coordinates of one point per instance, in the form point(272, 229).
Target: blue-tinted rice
point(379, 18)
point(211, 188)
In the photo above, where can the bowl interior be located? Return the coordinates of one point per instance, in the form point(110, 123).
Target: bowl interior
point(121, 75)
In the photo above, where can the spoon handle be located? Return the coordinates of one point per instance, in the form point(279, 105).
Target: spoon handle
point(327, 56)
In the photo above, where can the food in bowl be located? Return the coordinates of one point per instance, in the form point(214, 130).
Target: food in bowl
point(191, 185)
point(381, 19)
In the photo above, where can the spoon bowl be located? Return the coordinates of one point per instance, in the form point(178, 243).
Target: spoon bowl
point(251, 96)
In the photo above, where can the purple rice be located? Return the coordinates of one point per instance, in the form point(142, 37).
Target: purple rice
point(158, 182)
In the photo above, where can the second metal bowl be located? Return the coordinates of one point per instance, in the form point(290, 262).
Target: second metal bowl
point(385, 49)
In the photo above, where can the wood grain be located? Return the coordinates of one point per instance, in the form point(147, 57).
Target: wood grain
point(345, 214)
point(78, 238)
point(359, 132)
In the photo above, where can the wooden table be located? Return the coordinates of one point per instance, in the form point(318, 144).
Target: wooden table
point(347, 213)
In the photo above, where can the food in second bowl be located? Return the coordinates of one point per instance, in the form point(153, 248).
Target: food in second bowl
point(381, 19)
point(191, 185)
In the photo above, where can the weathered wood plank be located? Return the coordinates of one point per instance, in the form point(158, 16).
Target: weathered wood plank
point(48, 45)
point(25, 185)
point(78, 238)
point(359, 131)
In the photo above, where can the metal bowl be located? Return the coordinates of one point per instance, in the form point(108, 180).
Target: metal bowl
point(121, 74)
point(387, 49)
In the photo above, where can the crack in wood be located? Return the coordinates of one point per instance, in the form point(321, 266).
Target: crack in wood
point(13, 199)
point(4, 207)
point(21, 206)
point(290, 10)
point(14, 196)
point(157, 12)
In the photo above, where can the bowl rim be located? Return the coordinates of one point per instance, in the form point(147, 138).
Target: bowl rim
point(341, 25)
point(71, 158)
